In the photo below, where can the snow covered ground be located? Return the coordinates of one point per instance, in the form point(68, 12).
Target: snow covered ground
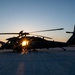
point(45, 62)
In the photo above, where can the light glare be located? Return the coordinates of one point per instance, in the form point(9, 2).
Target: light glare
point(24, 43)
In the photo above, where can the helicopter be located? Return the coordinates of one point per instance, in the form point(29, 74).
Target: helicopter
point(24, 42)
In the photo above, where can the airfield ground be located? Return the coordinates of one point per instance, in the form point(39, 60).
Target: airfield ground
point(45, 62)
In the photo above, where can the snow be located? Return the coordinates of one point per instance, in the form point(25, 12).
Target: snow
point(43, 62)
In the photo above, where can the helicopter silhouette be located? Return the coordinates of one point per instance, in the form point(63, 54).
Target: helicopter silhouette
point(24, 42)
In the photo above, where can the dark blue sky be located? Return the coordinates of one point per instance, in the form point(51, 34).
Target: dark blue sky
point(32, 15)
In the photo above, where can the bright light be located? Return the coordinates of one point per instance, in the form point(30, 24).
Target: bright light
point(24, 43)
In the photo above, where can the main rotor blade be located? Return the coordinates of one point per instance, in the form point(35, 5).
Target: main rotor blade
point(25, 33)
point(47, 30)
point(9, 33)
point(21, 32)
point(41, 36)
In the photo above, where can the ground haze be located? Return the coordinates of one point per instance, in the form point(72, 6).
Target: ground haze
point(45, 62)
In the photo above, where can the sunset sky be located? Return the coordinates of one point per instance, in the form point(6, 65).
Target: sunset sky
point(33, 15)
